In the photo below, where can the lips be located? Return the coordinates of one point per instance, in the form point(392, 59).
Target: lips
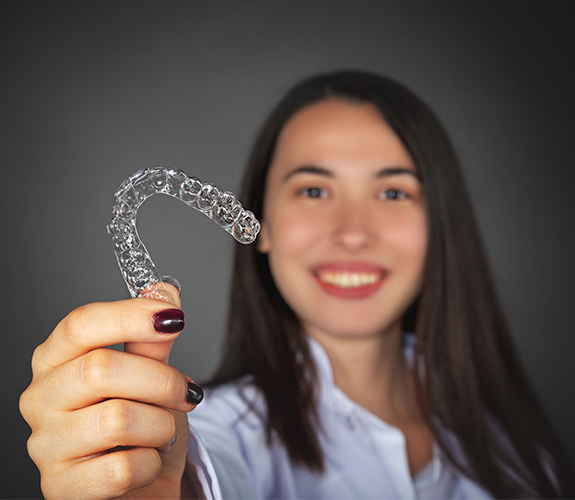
point(349, 280)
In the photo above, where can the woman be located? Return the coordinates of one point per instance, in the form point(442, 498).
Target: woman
point(367, 233)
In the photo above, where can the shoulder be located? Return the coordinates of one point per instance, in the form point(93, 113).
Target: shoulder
point(232, 405)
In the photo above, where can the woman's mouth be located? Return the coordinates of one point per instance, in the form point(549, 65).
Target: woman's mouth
point(349, 280)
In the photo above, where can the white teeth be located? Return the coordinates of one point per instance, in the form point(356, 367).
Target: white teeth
point(349, 280)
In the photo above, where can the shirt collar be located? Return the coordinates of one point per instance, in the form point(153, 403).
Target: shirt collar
point(332, 397)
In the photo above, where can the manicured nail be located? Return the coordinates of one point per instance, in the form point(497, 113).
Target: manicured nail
point(174, 282)
point(169, 321)
point(174, 441)
point(195, 394)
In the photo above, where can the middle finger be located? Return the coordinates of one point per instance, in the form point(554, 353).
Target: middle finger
point(105, 373)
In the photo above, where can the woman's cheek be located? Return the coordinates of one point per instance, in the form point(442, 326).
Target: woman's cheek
point(408, 233)
point(295, 230)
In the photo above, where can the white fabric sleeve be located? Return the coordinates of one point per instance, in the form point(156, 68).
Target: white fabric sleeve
point(218, 460)
point(199, 460)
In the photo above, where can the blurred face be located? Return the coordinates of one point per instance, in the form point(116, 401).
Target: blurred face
point(344, 222)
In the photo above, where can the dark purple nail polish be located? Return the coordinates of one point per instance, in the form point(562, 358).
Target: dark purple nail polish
point(169, 321)
point(195, 394)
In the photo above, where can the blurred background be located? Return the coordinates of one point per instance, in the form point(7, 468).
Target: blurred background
point(91, 91)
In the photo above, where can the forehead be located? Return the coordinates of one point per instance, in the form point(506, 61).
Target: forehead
point(339, 131)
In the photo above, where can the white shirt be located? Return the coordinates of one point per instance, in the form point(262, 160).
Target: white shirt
point(364, 456)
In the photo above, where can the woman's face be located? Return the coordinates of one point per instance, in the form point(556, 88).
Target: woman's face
point(344, 222)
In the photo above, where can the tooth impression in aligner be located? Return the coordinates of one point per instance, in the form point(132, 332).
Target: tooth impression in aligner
point(136, 265)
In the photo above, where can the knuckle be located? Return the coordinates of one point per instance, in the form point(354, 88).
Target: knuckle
point(119, 472)
point(36, 358)
point(30, 407)
point(75, 324)
point(114, 421)
point(123, 473)
point(25, 404)
point(40, 450)
point(98, 369)
point(34, 447)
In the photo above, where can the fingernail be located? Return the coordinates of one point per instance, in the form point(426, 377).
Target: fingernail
point(195, 394)
point(169, 321)
point(174, 282)
point(174, 441)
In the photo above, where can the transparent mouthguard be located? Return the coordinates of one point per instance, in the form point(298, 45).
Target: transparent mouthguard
point(136, 265)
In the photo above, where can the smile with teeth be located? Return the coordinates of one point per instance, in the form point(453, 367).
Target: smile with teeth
point(349, 280)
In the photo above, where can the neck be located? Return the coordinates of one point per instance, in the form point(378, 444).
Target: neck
point(371, 370)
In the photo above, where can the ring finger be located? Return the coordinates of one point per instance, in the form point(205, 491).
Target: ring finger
point(107, 425)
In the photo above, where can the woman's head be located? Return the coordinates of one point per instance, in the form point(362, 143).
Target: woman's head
point(418, 132)
point(344, 224)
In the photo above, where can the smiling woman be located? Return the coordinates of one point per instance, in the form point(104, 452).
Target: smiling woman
point(366, 355)
point(368, 234)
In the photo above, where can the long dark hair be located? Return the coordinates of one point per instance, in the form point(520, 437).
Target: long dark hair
point(475, 395)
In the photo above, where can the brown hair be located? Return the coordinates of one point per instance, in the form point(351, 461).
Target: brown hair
point(475, 392)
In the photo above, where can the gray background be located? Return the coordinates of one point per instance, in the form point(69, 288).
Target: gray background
point(92, 91)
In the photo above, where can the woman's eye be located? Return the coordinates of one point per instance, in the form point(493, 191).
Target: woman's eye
point(313, 192)
point(393, 194)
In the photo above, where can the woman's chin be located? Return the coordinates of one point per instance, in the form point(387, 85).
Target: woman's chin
point(346, 328)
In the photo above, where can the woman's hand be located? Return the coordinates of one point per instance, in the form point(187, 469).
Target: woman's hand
point(102, 420)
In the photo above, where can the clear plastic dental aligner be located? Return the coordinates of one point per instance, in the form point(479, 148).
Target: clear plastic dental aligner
point(138, 270)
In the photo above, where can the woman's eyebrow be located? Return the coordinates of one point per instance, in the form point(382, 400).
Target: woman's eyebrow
point(389, 171)
point(324, 172)
point(309, 169)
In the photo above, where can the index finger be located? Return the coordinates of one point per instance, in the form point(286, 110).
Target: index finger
point(101, 324)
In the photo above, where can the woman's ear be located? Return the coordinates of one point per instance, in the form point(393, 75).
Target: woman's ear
point(263, 240)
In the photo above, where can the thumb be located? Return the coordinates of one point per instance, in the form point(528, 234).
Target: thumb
point(167, 291)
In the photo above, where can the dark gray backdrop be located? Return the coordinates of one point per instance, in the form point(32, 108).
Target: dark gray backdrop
point(91, 91)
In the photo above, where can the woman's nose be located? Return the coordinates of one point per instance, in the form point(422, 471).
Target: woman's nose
point(352, 228)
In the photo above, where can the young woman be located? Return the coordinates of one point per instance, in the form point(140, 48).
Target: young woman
point(366, 357)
